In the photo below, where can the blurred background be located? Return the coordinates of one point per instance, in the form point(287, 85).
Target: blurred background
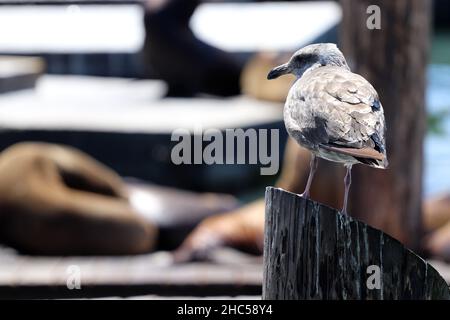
point(91, 91)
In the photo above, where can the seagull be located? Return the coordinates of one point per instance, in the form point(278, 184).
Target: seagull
point(334, 113)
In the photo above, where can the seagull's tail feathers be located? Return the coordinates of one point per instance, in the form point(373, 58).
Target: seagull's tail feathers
point(366, 155)
point(379, 164)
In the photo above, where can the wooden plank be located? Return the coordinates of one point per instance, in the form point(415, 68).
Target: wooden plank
point(156, 297)
point(312, 251)
point(150, 274)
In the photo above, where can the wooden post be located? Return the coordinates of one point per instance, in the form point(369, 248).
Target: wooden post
point(311, 251)
point(393, 59)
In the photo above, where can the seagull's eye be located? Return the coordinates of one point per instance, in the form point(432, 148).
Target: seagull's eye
point(304, 59)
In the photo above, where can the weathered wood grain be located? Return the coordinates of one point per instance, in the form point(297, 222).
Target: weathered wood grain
point(311, 251)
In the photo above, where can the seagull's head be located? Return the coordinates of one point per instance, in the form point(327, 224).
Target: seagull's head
point(309, 58)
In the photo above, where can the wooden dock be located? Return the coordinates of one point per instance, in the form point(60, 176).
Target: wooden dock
point(228, 274)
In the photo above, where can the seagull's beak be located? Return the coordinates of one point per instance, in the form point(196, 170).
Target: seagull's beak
point(278, 71)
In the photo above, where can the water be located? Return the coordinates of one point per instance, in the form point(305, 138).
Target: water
point(437, 146)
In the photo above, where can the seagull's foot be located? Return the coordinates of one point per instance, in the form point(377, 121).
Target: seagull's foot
point(305, 195)
point(344, 212)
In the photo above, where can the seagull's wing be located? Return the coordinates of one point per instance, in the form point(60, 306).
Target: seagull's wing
point(352, 114)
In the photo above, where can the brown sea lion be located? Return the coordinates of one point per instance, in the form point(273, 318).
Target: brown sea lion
point(436, 212)
point(57, 200)
point(437, 224)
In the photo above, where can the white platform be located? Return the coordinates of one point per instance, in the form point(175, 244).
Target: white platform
point(119, 28)
point(280, 26)
point(121, 105)
point(72, 28)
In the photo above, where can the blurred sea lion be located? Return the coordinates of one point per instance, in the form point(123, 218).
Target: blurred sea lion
point(57, 200)
point(438, 243)
point(254, 81)
point(437, 224)
point(436, 212)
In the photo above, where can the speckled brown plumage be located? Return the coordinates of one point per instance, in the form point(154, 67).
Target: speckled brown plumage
point(334, 113)
point(330, 108)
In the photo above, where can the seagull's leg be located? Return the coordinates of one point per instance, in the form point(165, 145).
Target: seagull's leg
point(348, 182)
point(312, 170)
